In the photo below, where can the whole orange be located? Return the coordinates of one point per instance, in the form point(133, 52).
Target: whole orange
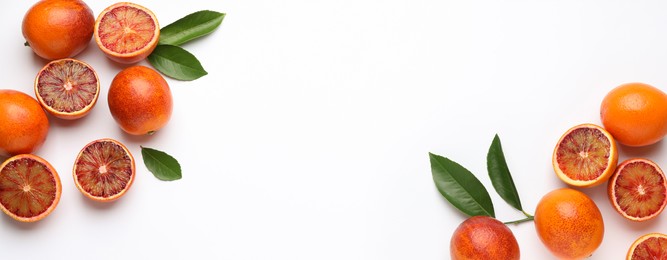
point(140, 100)
point(635, 114)
point(23, 123)
point(57, 29)
point(569, 223)
point(483, 237)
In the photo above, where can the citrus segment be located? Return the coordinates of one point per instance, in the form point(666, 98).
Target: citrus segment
point(648, 247)
point(23, 123)
point(29, 188)
point(635, 114)
point(569, 223)
point(67, 88)
point(638, 189)
point(585, 156)
point(127, 32)
point(104, 170)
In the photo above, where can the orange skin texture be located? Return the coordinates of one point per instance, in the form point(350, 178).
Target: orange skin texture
point(140, 100)
point(483, 237)
point(57, 29)
point(569, 224)
point(635, 114)
point(24, 123)
point(133, 57)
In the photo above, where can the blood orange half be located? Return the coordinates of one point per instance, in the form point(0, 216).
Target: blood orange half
point(127, 32)
point(104, 170)
point(29, 188)
point(638, 189)
point(67, 88)
point(585, 156)
point(648, 247)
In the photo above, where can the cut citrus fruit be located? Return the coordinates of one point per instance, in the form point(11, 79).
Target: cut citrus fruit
point(127, 32)
point(67, 88)
point(638, 189)
point(585, 156)
point(648, 247)
point(104, 170)
point(29, 188)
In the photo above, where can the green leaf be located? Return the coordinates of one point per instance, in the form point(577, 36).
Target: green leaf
point(500, 175)
point(190, 27)
point(460, 187)
point(163, 166)
point(176, 63)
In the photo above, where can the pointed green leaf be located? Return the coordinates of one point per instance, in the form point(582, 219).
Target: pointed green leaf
point(190, 27)
point(176, 63)
point(500, 175)
point(162, 165)
point(460, 187)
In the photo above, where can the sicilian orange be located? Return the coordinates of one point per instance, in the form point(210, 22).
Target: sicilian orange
point(104, 170)
point(638, 189)
point(57, 29)
point(29, 188)
point(483, 237)
point(569, 223)
point(635, 114)
point(140, 100)
point(648, 247)
point(127, 32)
point(585, 156)
point(67, 88)
point(23, 123)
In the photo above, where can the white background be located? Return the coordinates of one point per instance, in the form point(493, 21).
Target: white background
point(309, 138)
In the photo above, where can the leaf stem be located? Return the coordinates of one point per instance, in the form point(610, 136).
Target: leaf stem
point(528, 218)
point(526, 214)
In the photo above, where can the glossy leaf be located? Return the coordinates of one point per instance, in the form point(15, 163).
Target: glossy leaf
point(500, 174)
point(162, 165)
point(460, 187)
point(176, 62)
point(190, 27)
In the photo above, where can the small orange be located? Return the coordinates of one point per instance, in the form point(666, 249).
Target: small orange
point(57, 29)
point(23, 123)
point(585, 156)
point(635, 114)
point(67, 88)
point(140, 100)
point(29, 188)
point(483, 237)
point(126, 32)
point(648, 247)
point(569, 223)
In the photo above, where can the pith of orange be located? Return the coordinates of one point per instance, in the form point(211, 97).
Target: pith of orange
point(585, 156)
point(635, 114)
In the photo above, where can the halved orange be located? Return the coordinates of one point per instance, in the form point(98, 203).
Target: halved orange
point(30, 188)
point(638, 189)
point(585, 156)
point(104, 170)
point(127, 32)
point(648, 247)
point(67, 88)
